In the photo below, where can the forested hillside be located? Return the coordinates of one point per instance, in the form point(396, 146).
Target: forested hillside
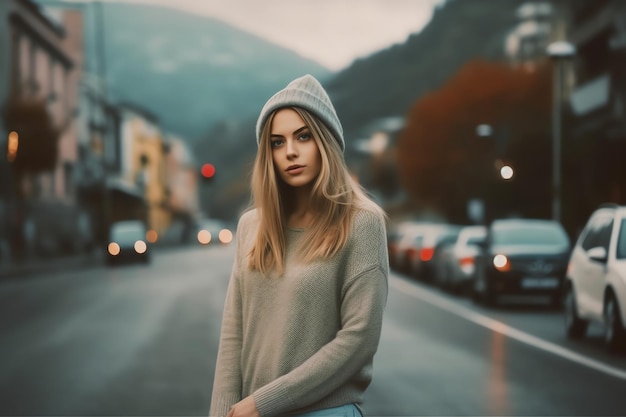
point(388, 82)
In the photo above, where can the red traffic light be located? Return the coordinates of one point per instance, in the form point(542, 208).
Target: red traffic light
point(208, 170)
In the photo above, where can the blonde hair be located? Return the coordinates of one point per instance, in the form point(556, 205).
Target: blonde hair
point(334, 198)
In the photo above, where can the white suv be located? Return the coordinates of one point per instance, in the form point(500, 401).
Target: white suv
point(595, 287)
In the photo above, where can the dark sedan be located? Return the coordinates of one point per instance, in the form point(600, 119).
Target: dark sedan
point(522, 256)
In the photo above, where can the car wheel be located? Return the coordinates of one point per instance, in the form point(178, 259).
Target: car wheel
point(489, 297)
point(450, 284)
point(439, 279)
point(556, 300)
point(411, 268)
point(614, 333)
point(476, 289)
point(404, 265)
point(481, 291)
point(575, 327)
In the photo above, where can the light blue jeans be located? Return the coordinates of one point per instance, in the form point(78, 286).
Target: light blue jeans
point(348, 410)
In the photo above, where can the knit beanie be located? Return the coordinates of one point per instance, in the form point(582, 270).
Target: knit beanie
point(307, 93)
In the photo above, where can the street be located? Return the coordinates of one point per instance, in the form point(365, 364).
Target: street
point(142, 340)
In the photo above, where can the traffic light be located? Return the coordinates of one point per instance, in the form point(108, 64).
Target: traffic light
point(207, 170)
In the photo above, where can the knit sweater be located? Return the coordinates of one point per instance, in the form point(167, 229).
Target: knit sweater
point(305, 340)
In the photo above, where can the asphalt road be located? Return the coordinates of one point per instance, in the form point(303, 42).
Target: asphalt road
point(141, 340)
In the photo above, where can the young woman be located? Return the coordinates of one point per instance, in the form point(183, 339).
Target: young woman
point(304, 306)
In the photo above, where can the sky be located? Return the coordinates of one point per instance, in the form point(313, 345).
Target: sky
point(330, 32)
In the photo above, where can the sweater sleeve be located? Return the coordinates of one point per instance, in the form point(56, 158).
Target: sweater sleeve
point(227, 380)
point(364, 296)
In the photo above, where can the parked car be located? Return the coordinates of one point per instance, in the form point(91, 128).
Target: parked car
point(394, 235)
point(127, 240)
point(424, 249)
point(398, 243)
point(522, 257)
point(455, 266)
point(595, 287)
point(213, 231)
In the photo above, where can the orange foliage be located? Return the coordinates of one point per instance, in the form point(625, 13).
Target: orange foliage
point(440, 156)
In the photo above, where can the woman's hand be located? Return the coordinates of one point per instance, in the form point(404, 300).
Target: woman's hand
point(244, 408)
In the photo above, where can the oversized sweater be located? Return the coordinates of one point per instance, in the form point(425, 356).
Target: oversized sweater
point(305, 340)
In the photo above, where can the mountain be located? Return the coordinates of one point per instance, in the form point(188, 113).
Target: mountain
point(388, 82)
point(189, 70)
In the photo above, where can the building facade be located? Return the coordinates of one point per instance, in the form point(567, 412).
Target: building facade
point(142, 166)
point(41, 66)
point(182, 191)
point(597, 125)
point(526, 43)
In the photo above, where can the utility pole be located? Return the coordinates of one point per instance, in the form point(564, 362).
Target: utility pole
point(102, 87)
point(559, 52)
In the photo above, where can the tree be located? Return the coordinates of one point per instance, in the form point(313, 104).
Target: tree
point(38, 137)
point(443, 162)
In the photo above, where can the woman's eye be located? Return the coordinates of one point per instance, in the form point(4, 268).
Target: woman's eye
point(276, 143)
point(304, 136)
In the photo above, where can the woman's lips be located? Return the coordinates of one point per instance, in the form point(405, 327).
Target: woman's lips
point(295, 169)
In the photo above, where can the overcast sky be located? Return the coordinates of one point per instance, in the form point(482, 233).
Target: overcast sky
point(331, 32)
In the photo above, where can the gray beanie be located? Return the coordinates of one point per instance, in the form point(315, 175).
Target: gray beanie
point(307, 93)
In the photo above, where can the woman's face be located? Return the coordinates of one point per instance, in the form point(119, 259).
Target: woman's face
point(296, 156)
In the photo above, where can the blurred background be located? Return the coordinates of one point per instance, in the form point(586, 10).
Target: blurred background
point(126, 121)
point(111, 110)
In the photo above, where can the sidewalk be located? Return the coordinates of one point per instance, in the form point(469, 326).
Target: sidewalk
point(47, 265)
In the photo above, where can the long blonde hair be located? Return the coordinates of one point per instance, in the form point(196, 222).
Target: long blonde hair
point(334, 198)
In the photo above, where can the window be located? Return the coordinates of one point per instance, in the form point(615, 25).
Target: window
point(596, 231)
point(620, 252)
point(530, 234)
point(604, 235)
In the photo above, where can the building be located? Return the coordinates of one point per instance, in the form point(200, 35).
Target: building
point(40, 67)
point(526, 43)
point(597, 127)
point(142, 170)
point(99, 154)
point(182, 190)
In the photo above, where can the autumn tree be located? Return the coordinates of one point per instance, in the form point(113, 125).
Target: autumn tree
point(443, 162)
point(38, 137)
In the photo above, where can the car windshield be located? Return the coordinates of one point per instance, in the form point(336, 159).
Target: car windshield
point(530, 234)
point(620, 253)
point(210, 224)
point(127, 234)
point(475, 240)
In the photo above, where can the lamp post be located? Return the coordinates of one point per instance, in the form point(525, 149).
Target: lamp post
point(477, 208)
point(559, 52)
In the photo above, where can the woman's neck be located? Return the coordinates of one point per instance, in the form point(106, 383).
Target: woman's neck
point(300, 219)
point(300, 215)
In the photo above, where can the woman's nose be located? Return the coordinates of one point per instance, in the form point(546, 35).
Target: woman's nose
point(292, 148)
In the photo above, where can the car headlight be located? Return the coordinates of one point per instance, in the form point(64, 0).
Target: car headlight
point(114, 249)
point(204, 237)
point(140, 246)
point(501, 263)
point(225, 236)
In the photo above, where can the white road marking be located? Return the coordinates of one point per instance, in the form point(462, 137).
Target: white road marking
point(498, 326)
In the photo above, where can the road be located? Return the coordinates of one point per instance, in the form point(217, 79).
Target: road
point(141, 340)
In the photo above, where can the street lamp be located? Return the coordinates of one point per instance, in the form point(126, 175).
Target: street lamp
point(484, 130)
point(506, 172)
point(559, 52)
